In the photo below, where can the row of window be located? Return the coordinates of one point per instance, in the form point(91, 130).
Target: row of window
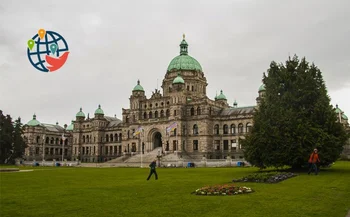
point(108, 138)
point(108, 150)
point(232, 130)
point(52, 141)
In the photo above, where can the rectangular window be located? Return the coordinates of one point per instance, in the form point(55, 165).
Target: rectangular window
point(195, 145)
point(217, 144)
point(225, 145)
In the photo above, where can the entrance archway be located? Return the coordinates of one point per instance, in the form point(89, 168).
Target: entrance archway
point(157, 140)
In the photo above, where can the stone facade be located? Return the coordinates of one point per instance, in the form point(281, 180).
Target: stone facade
point(201, 127)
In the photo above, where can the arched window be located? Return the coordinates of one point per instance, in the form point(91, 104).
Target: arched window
point(249, 127)
point(174, 112)
point(47, 140)
point(175, 131)
point(225, 128)
point(233, 129)
point(61, 141)
point(198, 111)
point(107, 138)
point(83, 139)
point(192, 111)
point(156, 114)
point(167, 112)
point(37, 139)
point(87, 139)
point(111, 137)
point(57, 141)
point(128, 134)
point(195, 129)
point(162, 114)
point(66, 142)
point(240, 128)
point(52, 140)
point(116, 137)
point(120, 137)
point(216, 129)
point(145, 115)
point(150, 115)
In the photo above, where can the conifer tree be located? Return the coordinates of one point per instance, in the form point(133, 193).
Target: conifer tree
point(293, 118)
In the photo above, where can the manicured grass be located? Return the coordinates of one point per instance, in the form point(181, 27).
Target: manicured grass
point(125, 192)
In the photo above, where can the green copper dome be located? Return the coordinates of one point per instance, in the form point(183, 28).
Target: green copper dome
point(70, 127)
point(221, 96)
point(33, 122)
point(344, 117)
point(262, 87)
point(80, 113)
point(178, 79)
point(184, 61)
point(138, 87)
point(99, 111)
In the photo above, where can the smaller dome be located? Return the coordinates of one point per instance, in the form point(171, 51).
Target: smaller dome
point(33, 122)
point(235, 103)
point(80, 113)
point(262, 87)
point(178, 79)
point(70, 127)
point(138, 87)
point(337, 110)
point(344, 117)
point(221, 96)
point(99, 111)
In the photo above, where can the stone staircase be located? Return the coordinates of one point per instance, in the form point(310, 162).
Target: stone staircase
point(120, 159)
point(146, 157)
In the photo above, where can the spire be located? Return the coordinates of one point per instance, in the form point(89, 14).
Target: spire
point(81, 109)
point(183, 46)
point(183, 36)
point(34, 116)
point(138, 82)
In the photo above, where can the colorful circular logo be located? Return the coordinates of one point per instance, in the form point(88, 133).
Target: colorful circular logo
point(47, 51)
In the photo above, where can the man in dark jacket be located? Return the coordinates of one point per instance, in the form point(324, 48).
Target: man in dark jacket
point(153, 170)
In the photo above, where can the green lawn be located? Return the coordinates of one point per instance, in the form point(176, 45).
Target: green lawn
point(125, 192)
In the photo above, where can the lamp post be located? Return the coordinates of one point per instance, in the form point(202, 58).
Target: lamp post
point(63, 140)
point(43, 149)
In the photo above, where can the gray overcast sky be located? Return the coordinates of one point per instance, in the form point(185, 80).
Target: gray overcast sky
point(114, 43)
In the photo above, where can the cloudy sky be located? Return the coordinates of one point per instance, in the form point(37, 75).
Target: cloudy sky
point(114, 43)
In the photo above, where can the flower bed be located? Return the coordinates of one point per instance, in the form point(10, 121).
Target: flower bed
point(271, 177)
point(222, 190)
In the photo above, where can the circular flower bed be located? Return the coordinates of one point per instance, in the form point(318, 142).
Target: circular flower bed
point(271, 177)
point(227, 189)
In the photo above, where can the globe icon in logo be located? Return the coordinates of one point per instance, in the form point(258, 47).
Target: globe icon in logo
point(47, 51)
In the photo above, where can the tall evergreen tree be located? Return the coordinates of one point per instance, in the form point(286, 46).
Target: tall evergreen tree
point(6, 141)
point(12, 144)
point(19, 144)
point(294, 117)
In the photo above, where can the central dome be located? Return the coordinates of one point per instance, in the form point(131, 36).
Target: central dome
point(184, 61)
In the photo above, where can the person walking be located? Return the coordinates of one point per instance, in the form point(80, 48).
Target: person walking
point(153, 170)
point(313, 160)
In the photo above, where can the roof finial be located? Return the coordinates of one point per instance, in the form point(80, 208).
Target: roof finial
point(99, 106)
point(34, 116)
point(138, 82)
point(183, 36)
point(81, 109)
point(336, 105)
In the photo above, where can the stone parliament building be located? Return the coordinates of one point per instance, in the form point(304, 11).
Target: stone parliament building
point(182, 120)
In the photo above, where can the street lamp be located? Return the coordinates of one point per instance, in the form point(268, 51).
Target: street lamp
point(43, 149)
